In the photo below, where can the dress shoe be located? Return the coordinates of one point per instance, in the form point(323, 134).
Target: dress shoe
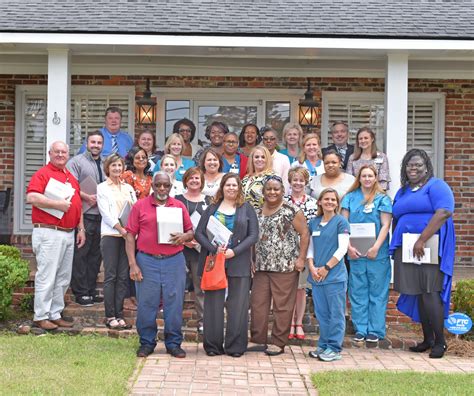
point(45, 324)
point(235, 355)
point(253, 347)
point(62, 323)
point(274, 350)
point(422, 347)
point(437, 352)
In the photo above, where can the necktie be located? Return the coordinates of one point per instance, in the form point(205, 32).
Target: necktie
point(342, 152)
point(114, 144)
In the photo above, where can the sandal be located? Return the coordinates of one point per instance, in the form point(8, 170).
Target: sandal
point(123, 325)
point(299, 336)
point(113, 324)
point(292, 332)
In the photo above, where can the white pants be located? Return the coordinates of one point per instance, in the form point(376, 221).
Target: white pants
point(54, 252)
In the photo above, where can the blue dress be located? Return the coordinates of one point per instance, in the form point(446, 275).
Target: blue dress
point(369, 280)
point(412, 211)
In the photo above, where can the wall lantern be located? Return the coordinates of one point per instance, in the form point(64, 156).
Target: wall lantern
point(146, 108)
point(308, 110)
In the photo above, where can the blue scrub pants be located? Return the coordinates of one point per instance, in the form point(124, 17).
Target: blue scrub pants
point(369, 281)
point(161, 277)
point(330, 306)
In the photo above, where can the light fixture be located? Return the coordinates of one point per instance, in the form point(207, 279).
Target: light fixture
point(146, 108)
point(308, 110)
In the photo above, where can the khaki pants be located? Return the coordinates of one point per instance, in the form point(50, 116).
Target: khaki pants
point(281, 287)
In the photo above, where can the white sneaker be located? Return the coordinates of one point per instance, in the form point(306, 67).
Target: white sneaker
point(330, 356)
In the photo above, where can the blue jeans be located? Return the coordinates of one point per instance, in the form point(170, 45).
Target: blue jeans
point(330, 305)
point(369, 281)
point(161, 278)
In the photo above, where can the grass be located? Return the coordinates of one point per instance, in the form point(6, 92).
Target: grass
point(392, 383)
point(65, 365)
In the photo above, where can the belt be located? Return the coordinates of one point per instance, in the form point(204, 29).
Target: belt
point(53, 227)
point(94, 217)
point(159, 256)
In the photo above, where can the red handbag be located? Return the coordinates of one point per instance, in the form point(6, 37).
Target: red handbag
point(213, 276)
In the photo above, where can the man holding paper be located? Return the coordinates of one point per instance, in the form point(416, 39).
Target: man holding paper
point(55, 217)
point(154, 246)
point(88, 169)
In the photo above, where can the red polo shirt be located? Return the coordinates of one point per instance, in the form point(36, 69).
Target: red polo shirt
point(142, 222)
point(38, 184)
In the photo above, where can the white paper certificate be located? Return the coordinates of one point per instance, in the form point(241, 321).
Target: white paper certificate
point(219, 234)
point(169, 221)
point(362, 236)
point(57, 191)
point(431, 249)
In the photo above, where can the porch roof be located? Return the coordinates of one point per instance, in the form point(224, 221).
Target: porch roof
point(415, 19)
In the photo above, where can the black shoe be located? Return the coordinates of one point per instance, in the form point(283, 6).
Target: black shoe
point(274, 350)
point(437, 352)
point(85, 301)
point(97, 299)
point(177, 352)
point(252, 347)
point(144, 351)
point(423, 347)
point(235, 355)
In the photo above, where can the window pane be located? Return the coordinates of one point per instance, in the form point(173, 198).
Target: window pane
point(175, 110)
point(277, 114)
point(235, 117)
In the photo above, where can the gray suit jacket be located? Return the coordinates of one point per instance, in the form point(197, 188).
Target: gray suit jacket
point(245, 235)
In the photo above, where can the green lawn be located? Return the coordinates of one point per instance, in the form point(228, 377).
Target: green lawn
point(61, 364)
point(392, 383)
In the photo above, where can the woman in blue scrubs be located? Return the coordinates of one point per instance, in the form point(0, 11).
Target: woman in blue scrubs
point(328, 274)
point(369, 278)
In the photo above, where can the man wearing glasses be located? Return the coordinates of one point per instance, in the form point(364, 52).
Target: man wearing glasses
point(340, 137)
point(234, 162)
point(158, 269)
point(281, 163)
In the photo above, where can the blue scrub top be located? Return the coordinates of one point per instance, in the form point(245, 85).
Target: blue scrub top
point(291, 158)
point(234, 167)
point(325, 244)
point(186, 163)
point(362, 213)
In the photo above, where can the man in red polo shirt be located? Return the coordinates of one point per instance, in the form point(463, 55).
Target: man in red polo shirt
point(158, 269)
point(53, 238)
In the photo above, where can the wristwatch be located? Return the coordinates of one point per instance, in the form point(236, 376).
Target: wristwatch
point(327, 267)
point(81, 230)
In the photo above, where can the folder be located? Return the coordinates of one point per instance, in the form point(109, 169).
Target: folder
point(124, 213)
point(169, 221)
point(57, 191)
point(362, 236)
point(89, 186)
point(431, 249)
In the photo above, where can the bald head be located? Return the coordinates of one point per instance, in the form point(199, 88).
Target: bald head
point(59, 154)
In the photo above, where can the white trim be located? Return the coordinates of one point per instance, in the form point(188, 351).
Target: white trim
point(236, 41)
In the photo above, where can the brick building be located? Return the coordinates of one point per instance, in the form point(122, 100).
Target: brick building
point(404, 68)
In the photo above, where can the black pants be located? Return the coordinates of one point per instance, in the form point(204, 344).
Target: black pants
point(86, 262)
point(116, 275)
point(237, 307)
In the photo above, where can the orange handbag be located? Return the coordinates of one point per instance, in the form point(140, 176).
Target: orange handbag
point(213, 276)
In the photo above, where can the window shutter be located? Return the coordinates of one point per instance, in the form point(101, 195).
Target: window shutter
point(421, 126)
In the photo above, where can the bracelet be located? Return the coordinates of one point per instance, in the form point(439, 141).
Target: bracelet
point(327, 267)
point(81, 230)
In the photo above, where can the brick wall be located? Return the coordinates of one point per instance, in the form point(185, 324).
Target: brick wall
point(459, 147)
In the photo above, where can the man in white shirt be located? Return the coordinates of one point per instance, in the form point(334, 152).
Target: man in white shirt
point(281, 163)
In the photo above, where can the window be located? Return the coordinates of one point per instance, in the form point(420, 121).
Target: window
point(425, 127)
point(233, 106)
point(88, 106)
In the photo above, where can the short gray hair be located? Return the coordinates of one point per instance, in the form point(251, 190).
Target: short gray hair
point(161, 173)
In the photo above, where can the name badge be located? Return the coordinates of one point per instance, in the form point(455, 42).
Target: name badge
point(204, 206)
point(378, 160)
point(368, 208)
point(316, 233)
point(182, 171)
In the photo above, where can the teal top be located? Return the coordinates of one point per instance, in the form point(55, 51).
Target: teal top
point(368, 213)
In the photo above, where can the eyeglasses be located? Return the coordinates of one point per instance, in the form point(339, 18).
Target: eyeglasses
point(141, 157)
point(165, 185)
point(269, 139)
point(184, 130)
point(231, 142)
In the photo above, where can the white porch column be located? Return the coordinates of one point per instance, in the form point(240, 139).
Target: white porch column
point(396, 115)
point(59, 96)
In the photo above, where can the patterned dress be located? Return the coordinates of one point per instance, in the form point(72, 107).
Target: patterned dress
point(381, 164)
point(253, 186)
point(278, 245)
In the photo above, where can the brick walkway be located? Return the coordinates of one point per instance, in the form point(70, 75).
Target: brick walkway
point(255, 373)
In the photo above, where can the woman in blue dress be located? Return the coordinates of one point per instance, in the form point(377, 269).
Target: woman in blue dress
point(369, 277)
point(424, 205)
point(328, 274)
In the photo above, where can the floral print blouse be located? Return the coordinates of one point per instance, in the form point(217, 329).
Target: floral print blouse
point(142, 187)
point(308, 205)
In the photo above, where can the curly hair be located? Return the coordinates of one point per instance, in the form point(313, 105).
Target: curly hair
point(188, 123)
point(223, 127)
point(130, 157)
point(408, 156)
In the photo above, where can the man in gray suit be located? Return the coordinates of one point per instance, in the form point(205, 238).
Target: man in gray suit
point(340, 137)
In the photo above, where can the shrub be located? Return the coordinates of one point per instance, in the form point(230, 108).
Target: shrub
point(27, 303)
point(13, 273)
point(463, 297)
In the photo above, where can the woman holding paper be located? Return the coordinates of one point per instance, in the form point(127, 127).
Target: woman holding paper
point(112, 196)
point(369, 210)
point(230, 209)
point(424, 206)
point(196, 203)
